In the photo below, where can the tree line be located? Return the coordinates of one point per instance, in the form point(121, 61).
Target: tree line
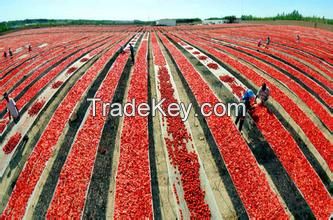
point(294, 15)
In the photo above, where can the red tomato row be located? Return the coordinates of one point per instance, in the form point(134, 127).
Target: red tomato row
point(46, 77)
point(70, 194)
point(177, 141)
point(133, 196)
point(298, 64)
point(314, 134)
point(303, 94)
point(310, 83)
point(44, 148)
point(284, 146)
point(52, 53)
point(18, 60)
point(259, 199)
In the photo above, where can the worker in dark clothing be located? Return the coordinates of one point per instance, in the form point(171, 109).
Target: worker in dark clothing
point(5, 54)
point(246, 100)
point(132, 52)
point(10, 52)
point(268, 41)
point(29, 48)
point(121, 49)
point(259, 44)
point(298, 38)
point(240, 115)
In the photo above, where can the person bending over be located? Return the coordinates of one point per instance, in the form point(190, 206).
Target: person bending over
point(263, 94)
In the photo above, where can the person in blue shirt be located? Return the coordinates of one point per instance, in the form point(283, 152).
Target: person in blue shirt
point(246, 99)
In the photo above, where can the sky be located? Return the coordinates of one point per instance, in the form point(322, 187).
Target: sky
point(156, 9)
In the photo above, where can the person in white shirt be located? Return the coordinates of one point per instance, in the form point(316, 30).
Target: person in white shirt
point(263, 94)
point(12, 108)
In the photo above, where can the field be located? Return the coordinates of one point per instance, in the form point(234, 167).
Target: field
point(62, 161)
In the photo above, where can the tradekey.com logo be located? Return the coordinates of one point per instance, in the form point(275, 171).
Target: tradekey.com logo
point(131, 109)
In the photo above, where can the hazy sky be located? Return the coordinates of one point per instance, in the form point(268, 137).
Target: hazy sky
point(155, 9)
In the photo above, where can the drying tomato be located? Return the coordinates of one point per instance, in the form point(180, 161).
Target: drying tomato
point(12, 143)
point(36, 108)
point(57, 84)
point(213, 66)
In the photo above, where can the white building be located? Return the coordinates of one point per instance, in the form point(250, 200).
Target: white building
point(220, 21)
point(166, 22)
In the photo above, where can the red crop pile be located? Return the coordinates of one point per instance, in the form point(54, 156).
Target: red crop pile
point(57, 84)
point(71, 70)
point(36, 108)
point(12, 143)
point(227, 79)
point(213, 66)
point(237, 90)
point(84, 60)
point(196, 52)
point(189, 48)
point(202, 58)
point(3, 125)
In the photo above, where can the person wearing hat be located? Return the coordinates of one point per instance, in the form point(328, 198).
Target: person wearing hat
point(263, 94)
point(12, 108)
point(246, 100)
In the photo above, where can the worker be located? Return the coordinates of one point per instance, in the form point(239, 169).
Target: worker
point(132, 52)
point(121, 49)
point(29, 48)
point(248, 94)
point(298, 38)
point(263, 94)
point(246, 100)
point(268, 41)
point(10, 52)
point(12, 108)
point(259, 44)
point(5, 54)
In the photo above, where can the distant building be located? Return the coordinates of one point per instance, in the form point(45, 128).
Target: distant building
point(166, 22)
point(220, 21)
